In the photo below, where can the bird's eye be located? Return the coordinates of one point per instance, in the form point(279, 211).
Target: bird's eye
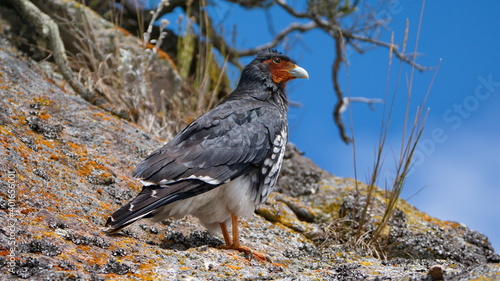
point(276, 60)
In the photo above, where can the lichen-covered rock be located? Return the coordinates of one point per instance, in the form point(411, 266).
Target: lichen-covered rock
point(65, 167)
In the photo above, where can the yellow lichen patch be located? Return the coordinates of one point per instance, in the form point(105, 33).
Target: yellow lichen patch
point(43, 100)
point(275, 211)
point(49, 234)
point(233, 267)
point(428, 218)
point(487, 278)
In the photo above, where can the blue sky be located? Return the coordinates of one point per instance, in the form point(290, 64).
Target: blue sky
point(457, 175)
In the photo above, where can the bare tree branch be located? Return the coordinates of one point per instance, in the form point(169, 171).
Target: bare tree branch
point(393, 47)
point(337, 113)
point(280, 36)
point(363, 30)
point(341, 37)
point(292, 11)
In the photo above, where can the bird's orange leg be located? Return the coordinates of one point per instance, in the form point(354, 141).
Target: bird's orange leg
point(236, 233)
point(236, 240)
point(225, 233)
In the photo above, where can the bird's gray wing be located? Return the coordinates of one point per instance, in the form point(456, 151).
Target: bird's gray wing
point(219, 146)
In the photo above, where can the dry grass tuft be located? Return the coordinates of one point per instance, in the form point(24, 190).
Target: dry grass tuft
point(365, 226)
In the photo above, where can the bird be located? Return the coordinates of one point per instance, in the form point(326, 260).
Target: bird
point(225, 163)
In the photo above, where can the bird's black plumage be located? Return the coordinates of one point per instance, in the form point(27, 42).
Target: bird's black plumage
point(242, 138)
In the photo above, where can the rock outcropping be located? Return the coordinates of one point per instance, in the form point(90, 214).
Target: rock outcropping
point(65, 167)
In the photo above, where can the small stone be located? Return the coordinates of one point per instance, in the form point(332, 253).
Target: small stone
point(436, 272)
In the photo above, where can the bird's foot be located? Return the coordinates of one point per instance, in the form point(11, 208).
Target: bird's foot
point(249, 252)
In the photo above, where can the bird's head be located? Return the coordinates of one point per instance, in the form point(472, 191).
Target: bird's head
point(274, 67)
point(282, 68)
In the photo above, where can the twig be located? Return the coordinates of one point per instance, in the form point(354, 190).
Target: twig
point(48, 29)
point(280, 36)
point(349, 100)
point(292, 11)
point(394, 48)
point(156, 14)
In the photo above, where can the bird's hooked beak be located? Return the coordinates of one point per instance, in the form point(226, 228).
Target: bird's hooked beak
point(298, 72)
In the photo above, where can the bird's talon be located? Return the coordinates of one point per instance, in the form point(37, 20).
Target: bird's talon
point(253, 254)
point(259, 256)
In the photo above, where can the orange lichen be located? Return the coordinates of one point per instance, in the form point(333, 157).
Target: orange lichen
point(78, 149)
point(106, 206)
point(427, 218)
point(54, 157)
point(47, 143)
point(22, 119)
point(69, 215)
point(124, 31)
point(449, 224)
point(4, 140)
point(44, 116)
point(144, 277)
point(278, 264)
point(103, 116)
point(26, 211)
point(162, 55)
point(51, 82)
point(86, 168)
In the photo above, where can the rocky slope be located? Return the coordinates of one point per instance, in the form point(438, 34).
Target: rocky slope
point(65, 167)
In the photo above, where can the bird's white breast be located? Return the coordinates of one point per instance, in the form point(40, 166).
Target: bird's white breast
point(214, 206)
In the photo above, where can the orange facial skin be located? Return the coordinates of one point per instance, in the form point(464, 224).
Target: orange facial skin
point(283, 70)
